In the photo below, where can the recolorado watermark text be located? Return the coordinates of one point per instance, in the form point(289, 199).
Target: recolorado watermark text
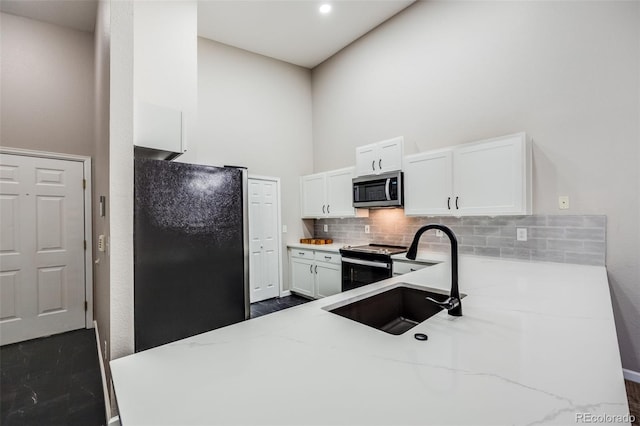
point(604, 418)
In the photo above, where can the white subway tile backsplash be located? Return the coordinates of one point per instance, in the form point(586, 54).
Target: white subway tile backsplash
point(553, 238)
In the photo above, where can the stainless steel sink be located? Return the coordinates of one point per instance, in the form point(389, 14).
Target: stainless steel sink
point(393, 311)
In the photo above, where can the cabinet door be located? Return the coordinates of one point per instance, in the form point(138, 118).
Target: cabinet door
point(302, 276)
point(367, 159)
point(428, 183)
point(390, 155)
point(328, 279)
point(490, 178)
point(312, 195)
point(339, 193)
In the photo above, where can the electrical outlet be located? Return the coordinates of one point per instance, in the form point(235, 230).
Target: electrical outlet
point(101, 243)
point(366, 229)
point(563, 202)
point(325, 228)
point(284, 229)
point(521, 234)
point(439, 233)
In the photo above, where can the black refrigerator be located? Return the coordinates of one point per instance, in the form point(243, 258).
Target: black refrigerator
point(190, 250)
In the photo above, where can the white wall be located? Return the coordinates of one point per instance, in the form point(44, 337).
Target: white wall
point(47, 87)
point(443, 73)
point(101, 294)
point(255, 111)
point(121, 178)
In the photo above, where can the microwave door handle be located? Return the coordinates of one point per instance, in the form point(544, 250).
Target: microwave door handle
point(386, 189)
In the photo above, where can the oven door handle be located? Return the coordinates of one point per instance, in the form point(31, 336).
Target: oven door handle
point(386, 189)
point(367, 263)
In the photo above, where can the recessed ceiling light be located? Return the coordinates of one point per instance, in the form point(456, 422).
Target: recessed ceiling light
point(325, 8)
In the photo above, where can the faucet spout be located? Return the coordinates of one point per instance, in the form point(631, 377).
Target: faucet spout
point(453, 304)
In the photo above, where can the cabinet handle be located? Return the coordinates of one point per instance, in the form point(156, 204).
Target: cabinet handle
point(301, 253)
point(311, 269)
point(316, 269)
point(457, 203)
point(328, 209)
point(412, 270)
point(328, 257)
point(323, 209)
point(380, 164)
point(373, 165)
point(449, 203)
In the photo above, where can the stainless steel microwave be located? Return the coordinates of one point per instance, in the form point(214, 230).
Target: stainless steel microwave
point(383, 190)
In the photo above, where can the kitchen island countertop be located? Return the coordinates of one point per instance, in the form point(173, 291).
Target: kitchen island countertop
point(536, 345)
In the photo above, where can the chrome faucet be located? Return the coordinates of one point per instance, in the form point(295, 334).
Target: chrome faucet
point(453, 304)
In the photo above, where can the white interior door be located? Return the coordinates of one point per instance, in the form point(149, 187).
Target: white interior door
point(42, 259)
point(264, 246)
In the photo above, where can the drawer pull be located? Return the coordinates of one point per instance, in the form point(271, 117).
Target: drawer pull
point(301, 253)
point(328, 257)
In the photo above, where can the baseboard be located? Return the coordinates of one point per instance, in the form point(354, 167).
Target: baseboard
point(103, 373)
point(285, 293)
point(631, 375)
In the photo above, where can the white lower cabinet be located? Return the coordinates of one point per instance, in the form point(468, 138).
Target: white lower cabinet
point(315, 273)
point(302, 278)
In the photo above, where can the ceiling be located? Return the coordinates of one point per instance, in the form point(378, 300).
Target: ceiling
point(76, 14)
point(293, 30)
point(290, 30)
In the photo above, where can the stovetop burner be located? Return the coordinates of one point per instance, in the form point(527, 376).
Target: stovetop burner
point(376, 249)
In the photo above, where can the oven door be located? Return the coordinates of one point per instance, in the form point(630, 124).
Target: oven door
point(358, 272)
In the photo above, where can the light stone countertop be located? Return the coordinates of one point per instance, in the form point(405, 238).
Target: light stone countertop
point(536, 345)
point(334, 248)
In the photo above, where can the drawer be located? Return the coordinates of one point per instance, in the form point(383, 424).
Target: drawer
point(400, 268)
point(302, 253)
point(329, 257)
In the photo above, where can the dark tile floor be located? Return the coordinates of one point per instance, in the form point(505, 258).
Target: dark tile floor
point(50, 381)
point(276, 304)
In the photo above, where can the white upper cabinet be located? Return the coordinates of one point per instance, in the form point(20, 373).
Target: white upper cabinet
point(493, 177)
point(486, 178)
point(428, 183)
point(380, 157)
point(339, 193)
point(328, 194)
point(312, 195)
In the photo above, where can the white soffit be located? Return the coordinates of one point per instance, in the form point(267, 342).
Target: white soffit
point(293, 31)
point(76, 14)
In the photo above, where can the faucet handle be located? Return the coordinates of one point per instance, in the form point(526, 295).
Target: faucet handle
point(449, 303)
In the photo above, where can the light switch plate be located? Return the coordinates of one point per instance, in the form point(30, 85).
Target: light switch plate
point(325, 228)
point(284, 229)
